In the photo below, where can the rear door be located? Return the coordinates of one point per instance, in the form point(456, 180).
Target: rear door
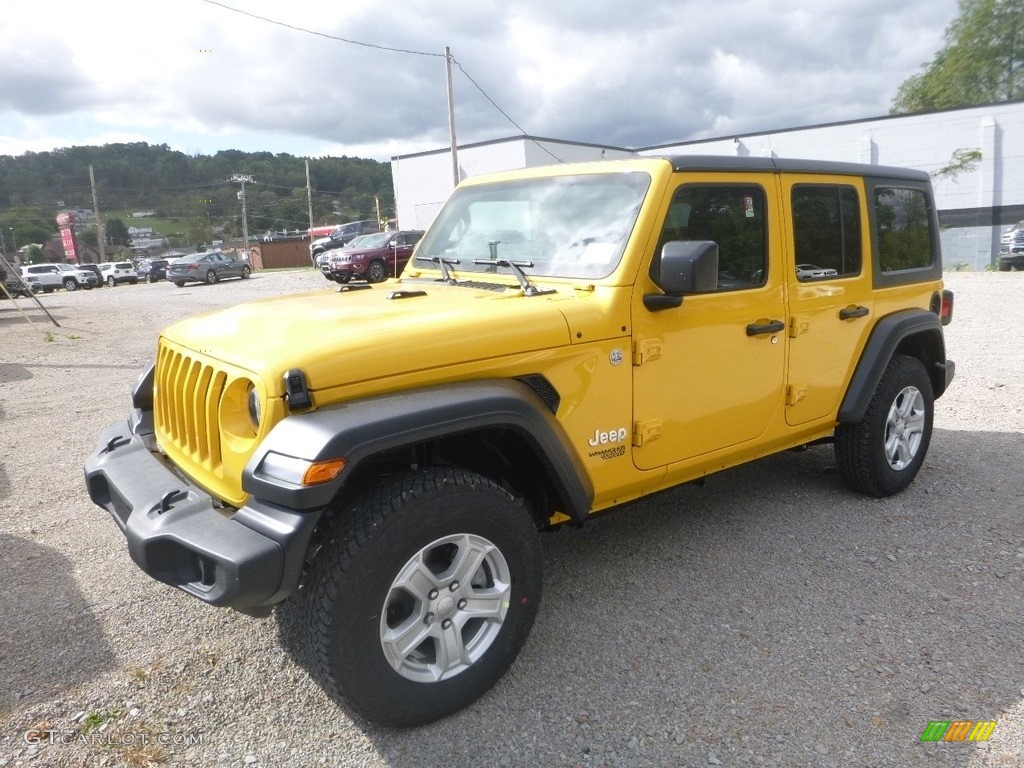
point(831, 303)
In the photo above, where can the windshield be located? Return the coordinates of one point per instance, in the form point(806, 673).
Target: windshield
point(567, 226)
point(357, 242)
point(371, 241)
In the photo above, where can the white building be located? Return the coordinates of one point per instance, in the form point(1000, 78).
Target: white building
point(423, 181)
point(975, 205)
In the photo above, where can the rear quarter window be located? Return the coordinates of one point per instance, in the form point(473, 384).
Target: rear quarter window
point(905, 234)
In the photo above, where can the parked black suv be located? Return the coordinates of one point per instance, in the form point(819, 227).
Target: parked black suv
point(152, 270)
point(95, 269)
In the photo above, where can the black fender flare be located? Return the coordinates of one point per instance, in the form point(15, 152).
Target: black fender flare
point(360, 429)
point(914, 331)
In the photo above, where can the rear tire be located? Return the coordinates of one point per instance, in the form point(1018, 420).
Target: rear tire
point(246, 272)
point(881, 454)
point(111, 281)
point(211, 277)
point(180, 285)
point(422, 595)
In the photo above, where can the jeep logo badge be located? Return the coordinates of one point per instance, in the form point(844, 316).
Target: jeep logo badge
point(612, 436)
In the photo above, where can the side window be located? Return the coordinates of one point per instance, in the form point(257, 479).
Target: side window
point(731, 215)
point(904, 229)
point(826, 231)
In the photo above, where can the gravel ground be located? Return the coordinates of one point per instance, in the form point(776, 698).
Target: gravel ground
point(768, 618)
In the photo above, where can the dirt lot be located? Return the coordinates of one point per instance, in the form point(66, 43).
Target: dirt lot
point(769, 618)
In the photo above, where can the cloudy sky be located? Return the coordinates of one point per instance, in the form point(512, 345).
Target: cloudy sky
point(200, 77)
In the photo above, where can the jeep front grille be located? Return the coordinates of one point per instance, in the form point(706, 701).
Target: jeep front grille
point(187, 405)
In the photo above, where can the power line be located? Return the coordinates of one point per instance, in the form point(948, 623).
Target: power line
point(393, 50)
point(324, 34)
point(518, 127)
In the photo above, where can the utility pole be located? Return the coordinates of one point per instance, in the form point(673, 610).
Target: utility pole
point(309, 199)
point(100, 234)
point(451, 115)
point(245, 221)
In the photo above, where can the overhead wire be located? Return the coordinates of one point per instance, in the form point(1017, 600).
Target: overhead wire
point(323, 34)
point(391, 49)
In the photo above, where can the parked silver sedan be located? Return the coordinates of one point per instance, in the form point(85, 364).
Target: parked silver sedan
point(207, 267)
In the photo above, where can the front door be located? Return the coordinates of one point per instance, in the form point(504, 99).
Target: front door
point(709, 375)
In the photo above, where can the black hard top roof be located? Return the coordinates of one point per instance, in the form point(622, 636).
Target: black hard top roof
point(790, 165)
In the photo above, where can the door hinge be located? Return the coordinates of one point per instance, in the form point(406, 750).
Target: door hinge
point(646, 350)
point(798, 324)
point(646, 431)
point(795, 393)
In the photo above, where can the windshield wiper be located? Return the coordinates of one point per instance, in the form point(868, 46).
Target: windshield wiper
point(442, 263)
point(529, 289)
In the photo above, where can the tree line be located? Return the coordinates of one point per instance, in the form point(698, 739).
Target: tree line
point(982, 61)
point(193, 189)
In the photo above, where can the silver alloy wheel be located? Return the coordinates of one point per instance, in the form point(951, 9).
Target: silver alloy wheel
point(904, 428)
point(445, 608)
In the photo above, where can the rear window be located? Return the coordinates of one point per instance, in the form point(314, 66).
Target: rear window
point(826, 230)
point(123, 265)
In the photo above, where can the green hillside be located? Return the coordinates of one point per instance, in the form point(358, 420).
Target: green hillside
point(186, 193)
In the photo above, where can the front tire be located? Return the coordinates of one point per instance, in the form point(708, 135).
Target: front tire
point(70, 285)
point(376, 273)
point(422, 596)
point(881, 454)
point(149, 278)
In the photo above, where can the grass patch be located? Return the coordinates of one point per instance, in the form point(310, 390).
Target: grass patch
point(99, 717)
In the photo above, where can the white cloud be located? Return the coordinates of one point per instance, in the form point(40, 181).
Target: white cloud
point(194, 74)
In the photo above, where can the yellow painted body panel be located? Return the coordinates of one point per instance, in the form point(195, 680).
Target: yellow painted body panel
point(647, 399)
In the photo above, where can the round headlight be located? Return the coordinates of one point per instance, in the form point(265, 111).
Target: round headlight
point(255, 412)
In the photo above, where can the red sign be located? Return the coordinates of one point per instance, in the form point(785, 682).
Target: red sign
point(65, 221)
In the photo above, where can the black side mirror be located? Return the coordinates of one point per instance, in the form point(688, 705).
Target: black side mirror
point(686, 266)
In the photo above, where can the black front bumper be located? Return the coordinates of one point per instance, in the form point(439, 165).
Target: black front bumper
point(248, 559)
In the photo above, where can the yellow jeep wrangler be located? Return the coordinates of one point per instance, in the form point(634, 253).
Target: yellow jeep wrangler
point(565, 339)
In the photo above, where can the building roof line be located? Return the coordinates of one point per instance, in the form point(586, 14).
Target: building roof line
point(707, 139)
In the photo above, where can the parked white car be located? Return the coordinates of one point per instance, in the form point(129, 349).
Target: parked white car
point(50, 277)
point(42, 277)
point(115, 272)
point(73, 278)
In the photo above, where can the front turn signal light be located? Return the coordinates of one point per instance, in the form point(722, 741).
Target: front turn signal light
point(323, 471)
point(277, 466)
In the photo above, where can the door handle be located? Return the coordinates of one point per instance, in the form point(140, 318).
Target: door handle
point(773, 326)
point(851, 312)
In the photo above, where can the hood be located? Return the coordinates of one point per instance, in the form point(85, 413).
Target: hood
point(344, 337)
